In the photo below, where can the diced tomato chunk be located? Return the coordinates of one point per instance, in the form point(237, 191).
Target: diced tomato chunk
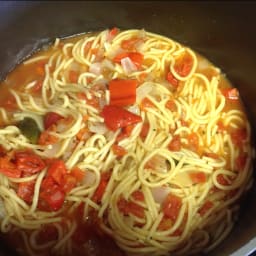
point(26, 191)
point(51, 199)
point(98, 194)
point(144, 130)
point(198, 177)
point(171, 206)
point(119, 150)
point(138, 195)
point(205, 208)
point(116, 117)
point(51, 118)
point(128, 207)
point(175, 144)
point(28, 162)
point(57, 171)
point(172, 80)
point(184, 64)
point(238, 136)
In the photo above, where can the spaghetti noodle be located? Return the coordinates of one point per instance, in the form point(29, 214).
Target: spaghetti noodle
point(130, 129)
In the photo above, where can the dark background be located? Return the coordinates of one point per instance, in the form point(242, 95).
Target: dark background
point(224, 32)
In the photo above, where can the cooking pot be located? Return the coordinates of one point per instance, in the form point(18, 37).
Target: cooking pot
point(224, 32)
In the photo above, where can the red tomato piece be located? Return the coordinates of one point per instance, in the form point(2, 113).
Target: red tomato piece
point(73, 76)
point(193, 141)
point(101, 187)
point(144, 130)
point(170, 104)
point(238, 136)
point(119, 150)
point(78, 174)
point(26, 191)
point(198, 177)
point(127, 207)
point(8, 168)
point(57, 170)
point(146, 103)
point(171, 206)
point(28, 162)
point(136, 57)
point(51, 118)
point(51, 199)
point(138, 195)
point(172, 80)
point(230, 93)
point(69, 182)
point(241, 161)
point(205, 208)
point(175, 144)
point(183, 65)
point(116, 117)
point(131, 44)
point(122, 92)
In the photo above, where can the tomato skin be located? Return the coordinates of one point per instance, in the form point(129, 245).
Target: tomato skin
point(171, 206)
point(51, 118)
point(28, 162)
point(117, 117)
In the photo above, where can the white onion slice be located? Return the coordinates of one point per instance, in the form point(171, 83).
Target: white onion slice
point(134, 109)
point(89, 178)
point(128, 65)
point(143, 90)
point(160, 193)
point(98, 128)
point(107, 64)
point(52, 150)
point(95, 68)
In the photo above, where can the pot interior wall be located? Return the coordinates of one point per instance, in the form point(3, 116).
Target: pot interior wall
point(224, 32)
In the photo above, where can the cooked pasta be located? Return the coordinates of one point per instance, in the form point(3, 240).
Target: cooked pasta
point(124, 134)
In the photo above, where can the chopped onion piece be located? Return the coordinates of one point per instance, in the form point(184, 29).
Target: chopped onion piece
point(107, 64)
point(160, 193)
point(128, 65)
point(134, 109)
point(99, 128)
point(89, 178)
point(143, 90)
point(52, 150)
point(96, 68)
